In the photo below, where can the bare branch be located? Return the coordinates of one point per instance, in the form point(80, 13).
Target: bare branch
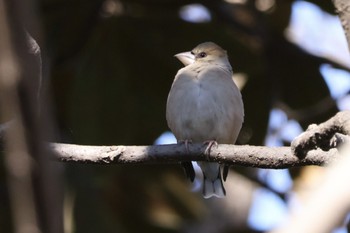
point(252, 156)
point(325, 136)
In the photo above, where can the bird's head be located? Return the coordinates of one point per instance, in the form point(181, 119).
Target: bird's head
point(207, 52)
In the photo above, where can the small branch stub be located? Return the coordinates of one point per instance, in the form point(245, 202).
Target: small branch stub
point(325, 136)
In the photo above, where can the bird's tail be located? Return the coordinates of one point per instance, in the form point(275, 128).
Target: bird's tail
point(213, 187)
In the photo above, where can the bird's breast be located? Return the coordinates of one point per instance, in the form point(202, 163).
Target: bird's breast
point(204, 106)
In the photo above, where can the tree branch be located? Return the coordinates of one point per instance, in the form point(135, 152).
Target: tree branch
point(252, 156)
point(325, 136)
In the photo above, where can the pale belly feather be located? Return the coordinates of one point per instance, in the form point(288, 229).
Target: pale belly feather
point(201, 112)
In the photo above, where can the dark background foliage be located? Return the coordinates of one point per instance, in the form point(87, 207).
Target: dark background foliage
point(110, 66)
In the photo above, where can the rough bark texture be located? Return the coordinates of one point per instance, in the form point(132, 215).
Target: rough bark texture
point(324, 136)
point(252, 156)
point(317, 146)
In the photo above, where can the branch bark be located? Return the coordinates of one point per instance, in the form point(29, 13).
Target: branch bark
point(325, 136)
point(252, 156)
point(317, 146)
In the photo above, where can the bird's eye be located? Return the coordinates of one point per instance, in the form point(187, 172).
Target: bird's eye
point(192, 52)
point(202, 54)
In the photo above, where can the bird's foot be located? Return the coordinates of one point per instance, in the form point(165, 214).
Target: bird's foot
point(210, 144)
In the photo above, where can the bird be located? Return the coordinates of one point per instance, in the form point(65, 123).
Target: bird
point(204, 105)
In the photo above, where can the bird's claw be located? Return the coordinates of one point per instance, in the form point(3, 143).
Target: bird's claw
point(210, 144)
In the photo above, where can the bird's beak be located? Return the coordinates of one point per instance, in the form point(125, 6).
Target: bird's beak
point(186, 58)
